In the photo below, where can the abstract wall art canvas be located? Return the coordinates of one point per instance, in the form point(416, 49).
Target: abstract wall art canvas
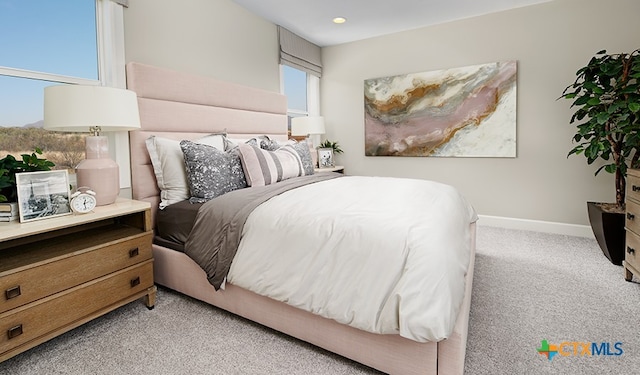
point(463, 112)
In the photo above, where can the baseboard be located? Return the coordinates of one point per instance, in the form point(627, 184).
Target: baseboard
point(536, 226)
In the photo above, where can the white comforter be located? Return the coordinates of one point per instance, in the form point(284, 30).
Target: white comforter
point(385, 255)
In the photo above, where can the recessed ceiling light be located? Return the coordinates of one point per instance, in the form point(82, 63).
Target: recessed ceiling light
point(339, 20)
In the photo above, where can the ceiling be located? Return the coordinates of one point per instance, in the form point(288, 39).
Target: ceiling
point(312, 19)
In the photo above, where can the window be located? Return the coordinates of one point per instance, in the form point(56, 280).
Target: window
point(43, 43)
point(301, 90)
point(295, 89)
point(53, 37)
point(300, 72)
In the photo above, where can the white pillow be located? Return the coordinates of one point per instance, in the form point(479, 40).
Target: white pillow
point(168, 166)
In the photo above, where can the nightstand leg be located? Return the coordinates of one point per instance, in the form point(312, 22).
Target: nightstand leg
point(150, 298)
point(628, 275)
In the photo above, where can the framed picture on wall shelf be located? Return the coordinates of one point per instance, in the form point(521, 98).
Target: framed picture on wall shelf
point(42, 195)
point(325, 158)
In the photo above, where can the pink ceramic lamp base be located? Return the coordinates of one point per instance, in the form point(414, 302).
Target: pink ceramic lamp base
point(98, 172)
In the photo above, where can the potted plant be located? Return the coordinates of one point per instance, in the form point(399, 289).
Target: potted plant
point(606, 93)
point(9, 166)
point(332, 145)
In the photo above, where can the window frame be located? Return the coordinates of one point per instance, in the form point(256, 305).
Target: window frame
point(43, 76)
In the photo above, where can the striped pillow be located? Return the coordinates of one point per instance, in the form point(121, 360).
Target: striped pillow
point(262, 167)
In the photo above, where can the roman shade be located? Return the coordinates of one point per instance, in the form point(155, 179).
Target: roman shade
point(299, 53)
point(124, 3)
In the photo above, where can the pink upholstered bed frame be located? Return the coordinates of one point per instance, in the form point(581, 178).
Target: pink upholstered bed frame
point(181, 106)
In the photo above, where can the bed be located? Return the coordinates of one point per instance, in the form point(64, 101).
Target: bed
point(178, 106)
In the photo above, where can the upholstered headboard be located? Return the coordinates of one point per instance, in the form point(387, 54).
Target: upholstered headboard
point(180, 106)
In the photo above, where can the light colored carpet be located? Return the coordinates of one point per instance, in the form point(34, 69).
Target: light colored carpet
point(528, 287)
point(532, 286)
point(179, 336)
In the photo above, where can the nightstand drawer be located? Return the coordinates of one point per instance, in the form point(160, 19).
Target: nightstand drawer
point(632, 217)
point(40, 279)
point(71, 307)
point(633, 185)
point(632, 250)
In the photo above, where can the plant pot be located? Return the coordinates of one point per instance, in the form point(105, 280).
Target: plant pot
point(11, 193)
point(608, 228)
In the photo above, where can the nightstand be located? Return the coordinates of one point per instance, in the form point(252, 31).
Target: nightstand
point(59, 273)
point(337, 169)
point(631, 263)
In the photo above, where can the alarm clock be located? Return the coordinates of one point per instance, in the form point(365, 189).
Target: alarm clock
point(83, 200)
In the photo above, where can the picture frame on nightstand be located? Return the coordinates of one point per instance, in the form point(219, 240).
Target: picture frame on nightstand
point(43, 195)
point(325, 158)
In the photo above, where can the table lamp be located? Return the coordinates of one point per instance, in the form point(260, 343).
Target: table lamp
point(307, 127)
point(78, 108)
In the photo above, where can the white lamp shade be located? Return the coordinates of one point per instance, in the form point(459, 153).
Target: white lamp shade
point(305, 125)
point(80, 108)
point(76, 108)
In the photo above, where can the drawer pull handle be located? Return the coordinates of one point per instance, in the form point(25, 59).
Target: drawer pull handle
point(630, 216)
point(13, 292)
point(635, 188)
point(631, 250)
point(133, 252)
point(14, 332)
point(135, 282)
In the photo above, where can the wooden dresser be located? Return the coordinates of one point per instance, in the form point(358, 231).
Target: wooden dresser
point(631, 261)
point(59, 273)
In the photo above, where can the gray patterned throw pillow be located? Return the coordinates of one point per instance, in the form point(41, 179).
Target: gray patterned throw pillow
point(266, 143)
point(302, 148)
point(211, 172)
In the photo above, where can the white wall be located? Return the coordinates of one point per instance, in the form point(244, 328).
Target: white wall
point(215, 38)
point(550, 42)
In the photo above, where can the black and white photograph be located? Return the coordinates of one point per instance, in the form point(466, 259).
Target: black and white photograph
point(325, 158)
point(43, 195)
